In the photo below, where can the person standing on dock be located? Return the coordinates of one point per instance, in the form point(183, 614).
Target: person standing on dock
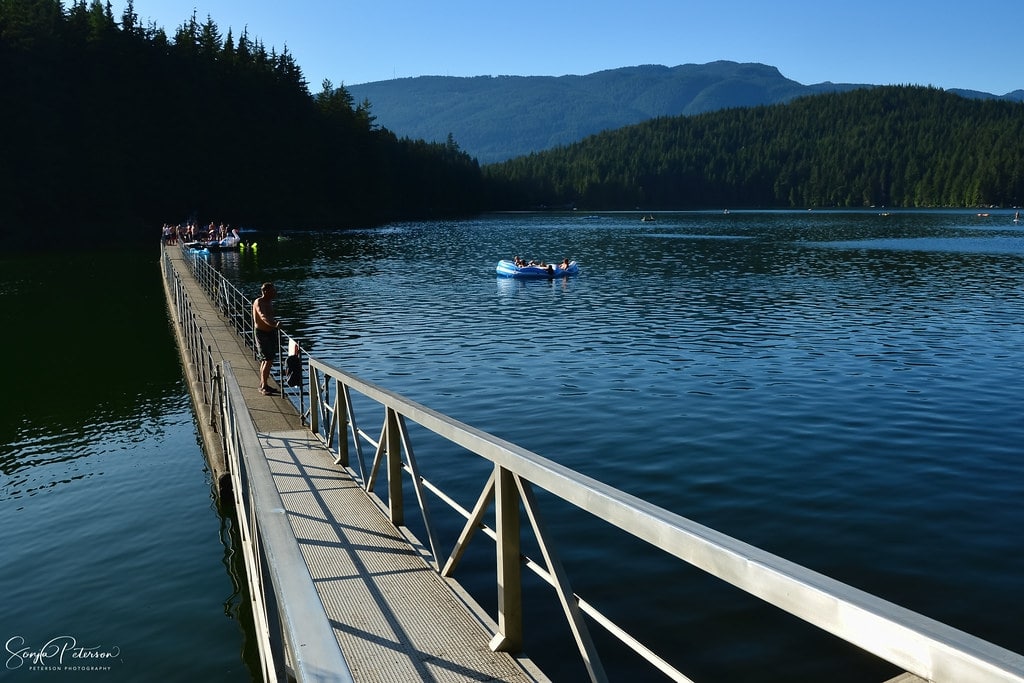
point(266, 326)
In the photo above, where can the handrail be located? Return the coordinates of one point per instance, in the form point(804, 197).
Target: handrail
point(915, 643)
point(911, 641)
point(199, 352)
point(310, 652)
point(271, 550)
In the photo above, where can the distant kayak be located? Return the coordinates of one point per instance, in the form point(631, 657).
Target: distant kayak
point(510, 269)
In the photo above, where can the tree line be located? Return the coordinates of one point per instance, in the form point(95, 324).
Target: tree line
point(899, 146)
point(113, 127)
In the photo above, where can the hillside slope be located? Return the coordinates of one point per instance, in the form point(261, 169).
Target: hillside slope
point(905, 146)
point(500, 117)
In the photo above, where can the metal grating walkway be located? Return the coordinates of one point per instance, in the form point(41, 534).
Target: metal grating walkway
point(395, 618)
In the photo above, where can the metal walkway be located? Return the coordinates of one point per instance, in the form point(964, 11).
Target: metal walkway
point(395, 619)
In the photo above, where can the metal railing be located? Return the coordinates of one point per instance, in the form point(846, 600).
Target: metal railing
point(294, 639)
point(310, 651)
point(914, 643)
point(200, 354)
point(908, 640)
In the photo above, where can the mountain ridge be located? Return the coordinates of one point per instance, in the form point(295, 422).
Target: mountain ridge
point(495, 118)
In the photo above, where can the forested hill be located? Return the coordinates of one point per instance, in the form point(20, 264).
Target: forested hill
point(498, 118)
point(112, 128)
point(885, 146)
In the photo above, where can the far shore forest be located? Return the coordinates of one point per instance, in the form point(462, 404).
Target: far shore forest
point(114, 127)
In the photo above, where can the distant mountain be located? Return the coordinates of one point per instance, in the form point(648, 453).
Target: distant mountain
point(495, 118)
point(1015, 96)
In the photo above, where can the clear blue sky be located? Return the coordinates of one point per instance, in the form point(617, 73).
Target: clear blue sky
point(977, 45)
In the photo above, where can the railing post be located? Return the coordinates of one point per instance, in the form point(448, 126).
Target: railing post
point(282, 354)
point(298, 386)
point(394, 463)
point(510, 584)
point(215, 401)
point(314, 399)
point(343, 412)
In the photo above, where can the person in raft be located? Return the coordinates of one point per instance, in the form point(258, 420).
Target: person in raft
point(266, 326)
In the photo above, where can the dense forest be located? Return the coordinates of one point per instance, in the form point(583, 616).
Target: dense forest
point(112, 127)
point(884, 146)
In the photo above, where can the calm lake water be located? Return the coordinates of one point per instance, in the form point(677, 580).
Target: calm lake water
point(110, 536)
point(838, 388)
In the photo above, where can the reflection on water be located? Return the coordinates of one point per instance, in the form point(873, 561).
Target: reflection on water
point(109, 531)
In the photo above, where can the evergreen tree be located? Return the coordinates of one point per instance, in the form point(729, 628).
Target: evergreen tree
point(115, 129)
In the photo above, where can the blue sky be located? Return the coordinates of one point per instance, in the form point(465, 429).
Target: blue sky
point(977, 45)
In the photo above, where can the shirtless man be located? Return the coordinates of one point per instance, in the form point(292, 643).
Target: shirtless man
point(267, 327)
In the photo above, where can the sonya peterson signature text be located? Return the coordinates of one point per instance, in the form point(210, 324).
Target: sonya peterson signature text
point(59, 651)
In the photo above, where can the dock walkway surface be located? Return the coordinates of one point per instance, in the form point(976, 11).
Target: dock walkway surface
point(395, 618)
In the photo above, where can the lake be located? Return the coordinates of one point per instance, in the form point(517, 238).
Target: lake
point(111, 538)
point(838, 388)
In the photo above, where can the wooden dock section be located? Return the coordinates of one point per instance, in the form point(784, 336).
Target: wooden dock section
point(394, 618)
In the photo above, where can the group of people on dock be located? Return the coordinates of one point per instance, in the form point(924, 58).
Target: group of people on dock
point(192, 232)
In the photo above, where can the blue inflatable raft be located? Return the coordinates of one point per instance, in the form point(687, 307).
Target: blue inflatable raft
point(510, 269)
